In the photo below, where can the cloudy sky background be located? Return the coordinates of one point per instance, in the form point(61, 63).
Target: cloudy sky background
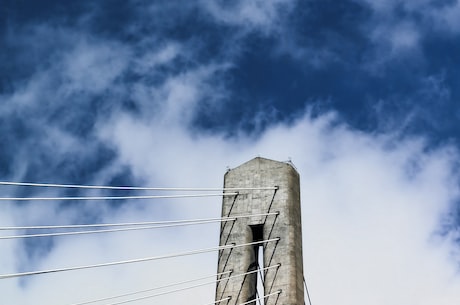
point(362, 96)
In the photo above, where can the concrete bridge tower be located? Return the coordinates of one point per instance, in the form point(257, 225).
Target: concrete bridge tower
point(283, 284)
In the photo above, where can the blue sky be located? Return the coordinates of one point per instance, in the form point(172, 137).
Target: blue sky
point(362, 95)
point(376, 64)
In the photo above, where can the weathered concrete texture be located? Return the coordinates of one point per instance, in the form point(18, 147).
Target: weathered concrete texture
point(261, 172)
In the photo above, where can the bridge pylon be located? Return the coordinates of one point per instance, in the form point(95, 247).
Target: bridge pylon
point(264, 186)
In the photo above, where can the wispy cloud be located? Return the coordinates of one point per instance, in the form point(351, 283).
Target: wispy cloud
point(255, 15)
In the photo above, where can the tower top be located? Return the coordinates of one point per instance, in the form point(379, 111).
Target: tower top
point(259, 162)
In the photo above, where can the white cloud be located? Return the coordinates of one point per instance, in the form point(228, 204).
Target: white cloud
point(404, 37)
point(448, 17)
point(371, 208)
point(372, 204)
point(93, 66)
point(398, 29)
point(440, 15)
point(258, 15)
point(151, 60)
point(370, 212)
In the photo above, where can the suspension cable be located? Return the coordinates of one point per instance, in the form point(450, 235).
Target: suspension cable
point(152, 289)
point(184, 288)
point(262, 297)
point(218, 301)
point(135, 260)
point(260, 274)
point(137, 228)
point(108, 230)
point(234, 217)
point(306, 289)
point(115, 197)
point(138, 188)
point(257, 296)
